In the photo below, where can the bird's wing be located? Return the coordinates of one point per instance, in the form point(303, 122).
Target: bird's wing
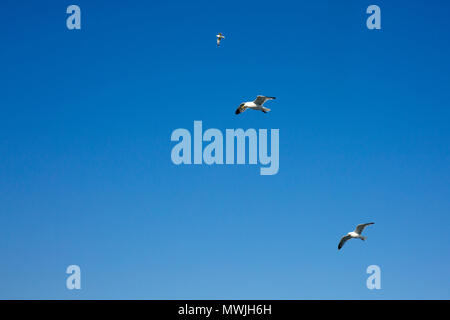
point(360, 227)
point(240, 109)
point(343, 240)
point(261, 99)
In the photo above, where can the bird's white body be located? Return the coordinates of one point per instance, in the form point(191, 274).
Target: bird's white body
point(257, 104)
point(354, 234)
point(254, 106)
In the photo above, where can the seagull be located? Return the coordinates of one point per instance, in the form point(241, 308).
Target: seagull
point(255, 105)
point(219, 38)
point(354, 234)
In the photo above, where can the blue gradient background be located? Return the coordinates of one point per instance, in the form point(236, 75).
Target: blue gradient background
point(85, 170)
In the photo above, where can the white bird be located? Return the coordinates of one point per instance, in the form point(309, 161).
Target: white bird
point(219, 38)
point(354, 234)
point(257, 104)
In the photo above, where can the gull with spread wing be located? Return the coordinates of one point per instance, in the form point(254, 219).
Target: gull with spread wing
point(354, 234)
point(257, 104)
point(219, 37)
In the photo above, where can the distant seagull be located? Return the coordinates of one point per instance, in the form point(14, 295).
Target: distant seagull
point(354, 234)
point(255, 105)
point(219, 38)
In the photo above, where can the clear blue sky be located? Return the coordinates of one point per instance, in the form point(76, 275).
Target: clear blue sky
point(86, 176)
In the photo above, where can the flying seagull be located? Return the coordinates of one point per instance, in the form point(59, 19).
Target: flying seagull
point(255, 105)
point(219, 38)
point(354, 234)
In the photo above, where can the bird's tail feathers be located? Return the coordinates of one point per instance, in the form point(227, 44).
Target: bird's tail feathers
point(265, 110)
point(363, 238)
